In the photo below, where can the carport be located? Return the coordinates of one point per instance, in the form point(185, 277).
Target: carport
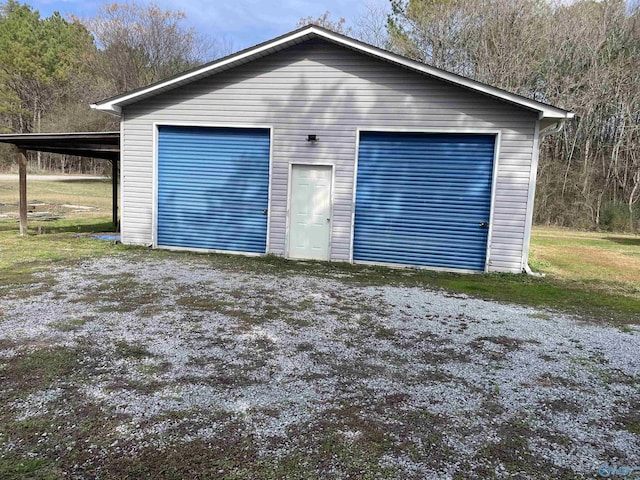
point(102, 145)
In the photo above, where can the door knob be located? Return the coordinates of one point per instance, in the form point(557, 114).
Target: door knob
point(483, 224)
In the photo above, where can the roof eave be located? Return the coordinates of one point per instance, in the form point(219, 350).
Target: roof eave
point(113, 105)
point(107, 107)
point(546, 111)
point(556, 114)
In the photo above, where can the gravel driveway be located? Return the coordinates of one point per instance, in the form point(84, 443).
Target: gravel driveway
point(121, 364)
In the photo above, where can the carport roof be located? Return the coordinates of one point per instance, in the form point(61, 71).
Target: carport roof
point(105, 145)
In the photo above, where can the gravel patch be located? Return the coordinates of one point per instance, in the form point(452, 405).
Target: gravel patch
point(177, 351)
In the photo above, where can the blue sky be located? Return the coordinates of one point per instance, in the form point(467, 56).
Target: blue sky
point(243, 22)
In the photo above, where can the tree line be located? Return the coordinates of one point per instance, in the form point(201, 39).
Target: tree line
point(583, 55)
point(53, 68)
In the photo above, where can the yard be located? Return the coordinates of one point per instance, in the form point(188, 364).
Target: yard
point(121, 362)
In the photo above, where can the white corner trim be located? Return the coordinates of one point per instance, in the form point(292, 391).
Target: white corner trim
point(121, 186)
point(539, 135)
point(154, 188)
point(533, 174)
point(269, 202)
point(494, 191)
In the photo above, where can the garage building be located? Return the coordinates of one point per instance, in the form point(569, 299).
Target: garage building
point(317, 146)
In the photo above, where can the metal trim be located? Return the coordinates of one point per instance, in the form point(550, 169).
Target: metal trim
point(533, 175)
point(416, 267)
point(494, 187)
point(122, 202)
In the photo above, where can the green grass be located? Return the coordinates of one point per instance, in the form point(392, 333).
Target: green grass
point(50, 241)
point(67, 242)
point(70, 325)
point(40, 368)
point(553, 293)
point(634, 426)
point(90, 193)
point(20, 468)
point(65, 239)
point(131, 350)
point(595, 261)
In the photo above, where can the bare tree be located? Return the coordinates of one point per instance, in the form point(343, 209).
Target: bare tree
point(140, 44)
point(371, 25)
point(325, 21)
point(584, 55)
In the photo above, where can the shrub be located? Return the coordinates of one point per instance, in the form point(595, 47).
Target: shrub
point(614, 217)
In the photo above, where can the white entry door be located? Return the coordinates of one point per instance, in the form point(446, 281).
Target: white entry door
point(310, 212)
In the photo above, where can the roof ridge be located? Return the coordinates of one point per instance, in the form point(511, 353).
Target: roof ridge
point(113, 104)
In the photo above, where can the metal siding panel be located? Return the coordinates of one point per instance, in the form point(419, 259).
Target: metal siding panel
point(420, 199)
point(212, 188)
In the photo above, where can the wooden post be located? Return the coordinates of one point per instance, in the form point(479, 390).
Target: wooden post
point(22, 169)
point(114, 194)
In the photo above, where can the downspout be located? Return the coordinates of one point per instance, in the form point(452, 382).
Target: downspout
point(550, 130)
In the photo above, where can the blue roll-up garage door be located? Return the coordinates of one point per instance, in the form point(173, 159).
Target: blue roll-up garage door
point(213, 188)
point(423, 199)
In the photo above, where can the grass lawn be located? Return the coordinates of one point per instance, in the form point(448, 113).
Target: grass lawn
point(95, 194)
point(605, 261)
point(64, 237)
point(596, 275)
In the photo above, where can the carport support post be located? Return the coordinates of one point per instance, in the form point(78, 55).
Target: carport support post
point(22, 174)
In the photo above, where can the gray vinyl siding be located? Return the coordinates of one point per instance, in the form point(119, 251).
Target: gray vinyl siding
point(319, 88)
